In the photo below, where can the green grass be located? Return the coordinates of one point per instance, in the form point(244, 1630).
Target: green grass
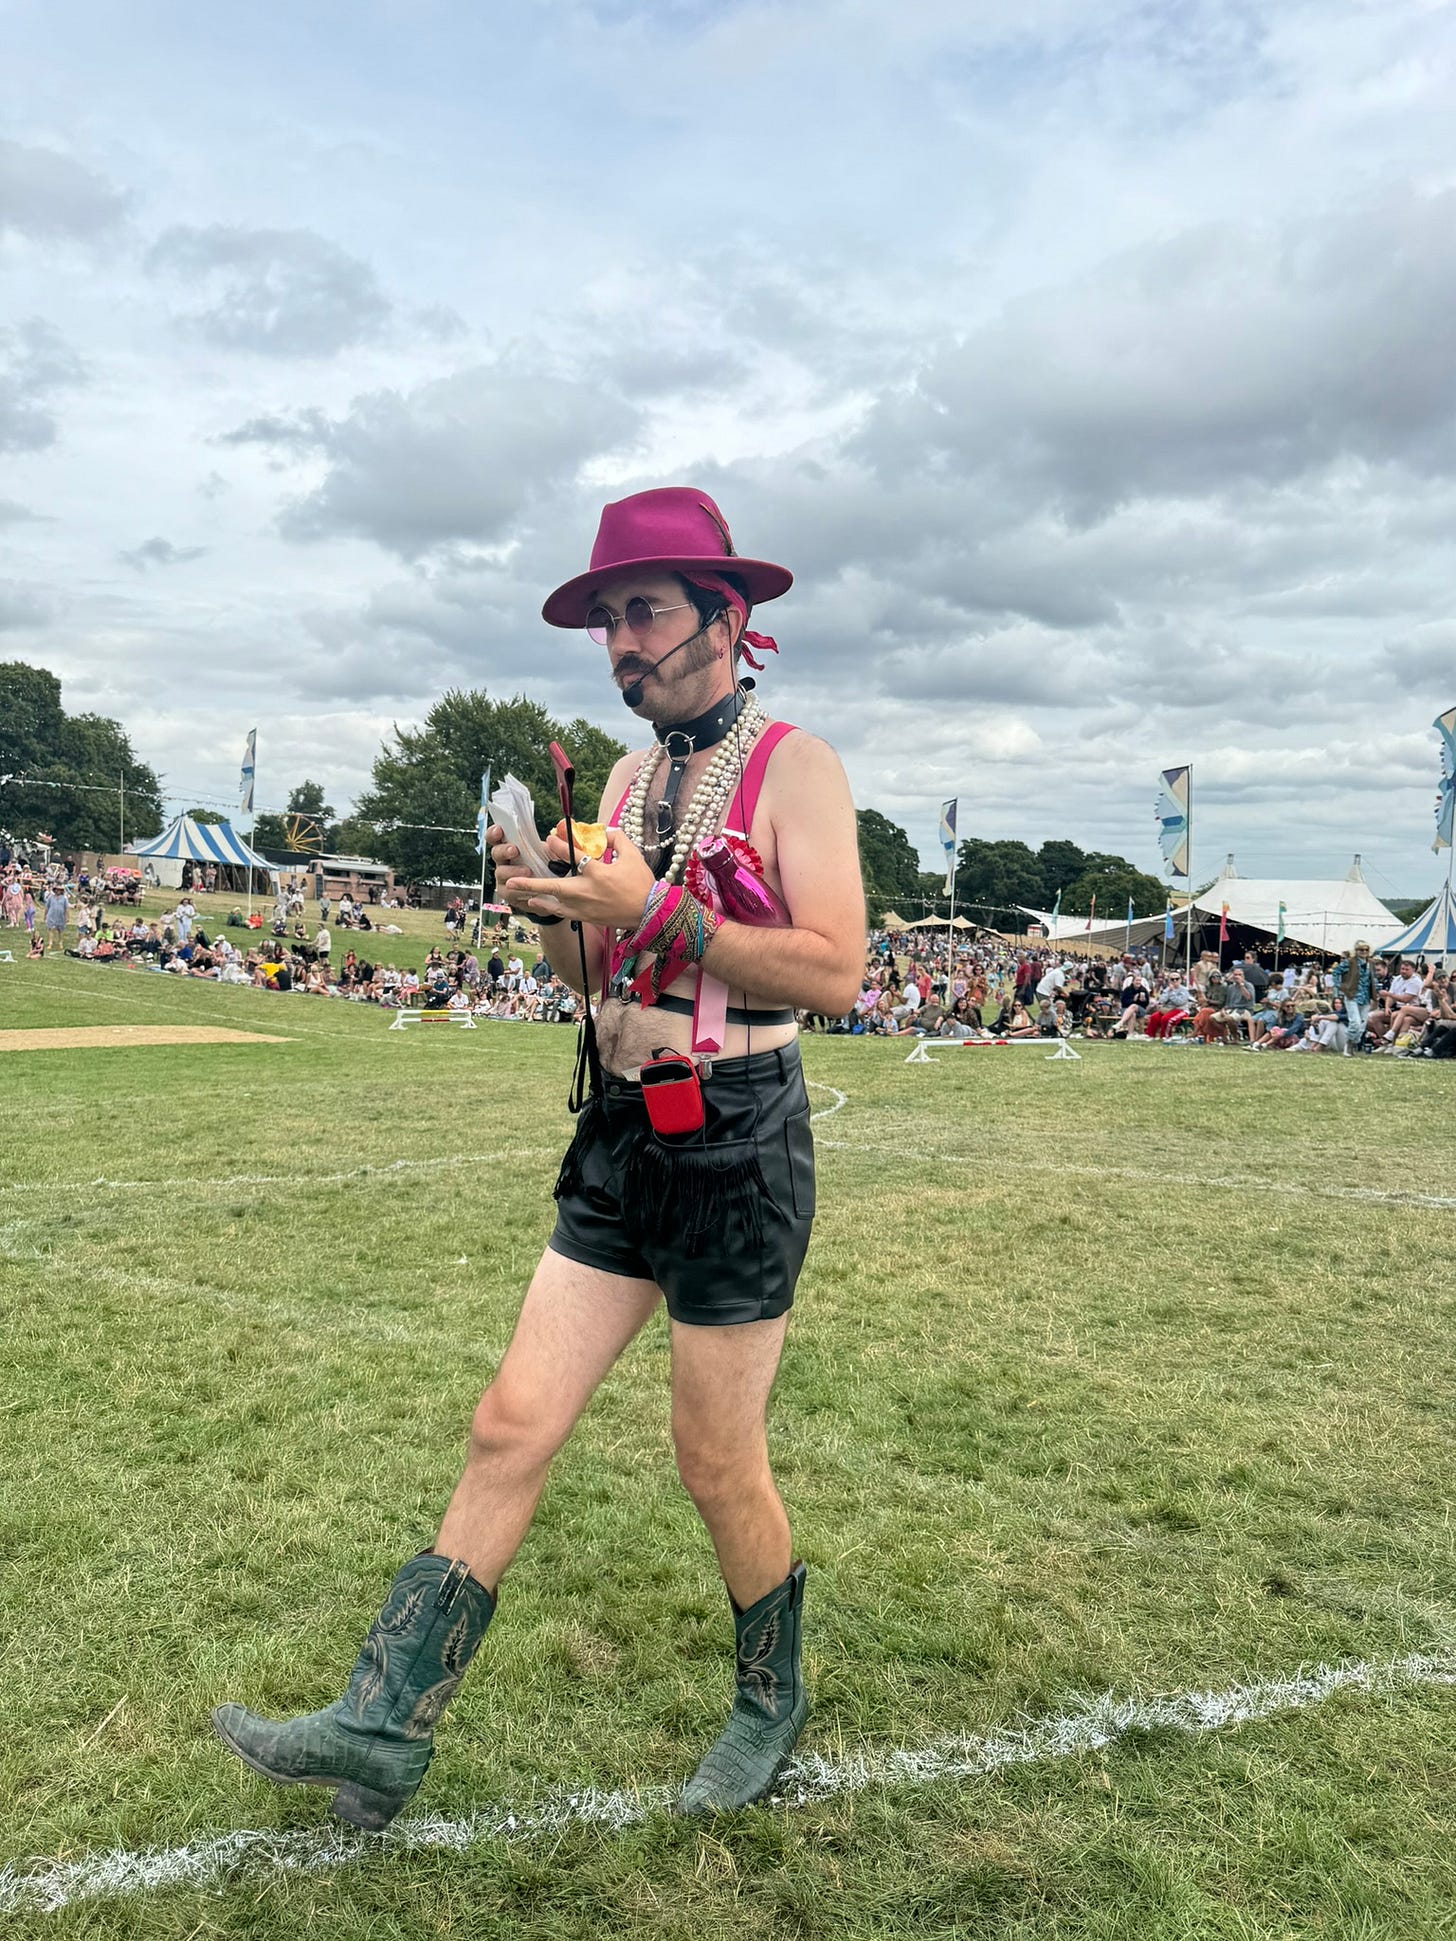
point(1053, 1419)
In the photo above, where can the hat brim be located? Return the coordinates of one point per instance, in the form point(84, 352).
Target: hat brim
point(570, 604)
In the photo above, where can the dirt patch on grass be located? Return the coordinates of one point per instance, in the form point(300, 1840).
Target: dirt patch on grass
point(100, 1037)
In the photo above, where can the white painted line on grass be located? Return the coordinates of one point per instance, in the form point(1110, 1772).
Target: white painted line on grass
point(391, 1169)
point(1232, 1182)
point(841, 1099)
point(257, 1854)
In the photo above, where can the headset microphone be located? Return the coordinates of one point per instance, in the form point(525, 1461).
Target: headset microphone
point(633, 694)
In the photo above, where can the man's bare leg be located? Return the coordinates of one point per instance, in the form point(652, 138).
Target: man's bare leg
point(721, 1378)
point(574, 1323)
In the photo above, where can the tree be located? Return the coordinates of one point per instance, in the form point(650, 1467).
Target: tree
point(73, 776)
point(206, 815)
point(426, 788)
point(1060, 863)
point(1115, 881)
point(996, 877)
point(889, 865)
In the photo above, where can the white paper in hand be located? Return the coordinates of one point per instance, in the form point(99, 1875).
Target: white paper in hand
point(511, 806)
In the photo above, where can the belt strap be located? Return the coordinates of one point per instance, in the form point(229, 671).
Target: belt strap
point(734, 1013)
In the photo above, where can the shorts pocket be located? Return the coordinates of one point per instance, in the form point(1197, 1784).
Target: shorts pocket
point(799, 1156)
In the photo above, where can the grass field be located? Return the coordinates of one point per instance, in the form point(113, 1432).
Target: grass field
point(1133, 1375)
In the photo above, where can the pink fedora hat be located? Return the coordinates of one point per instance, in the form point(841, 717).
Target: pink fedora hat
point(674, 529)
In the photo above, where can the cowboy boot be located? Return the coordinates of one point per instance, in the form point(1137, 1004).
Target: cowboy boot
point(769, 1706)
point(374, 1743)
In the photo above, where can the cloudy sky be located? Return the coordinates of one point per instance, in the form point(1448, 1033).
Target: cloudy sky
point(1091, 365)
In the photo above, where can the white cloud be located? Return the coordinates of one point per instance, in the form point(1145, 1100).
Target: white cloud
point(45, 194)
point(279, 292)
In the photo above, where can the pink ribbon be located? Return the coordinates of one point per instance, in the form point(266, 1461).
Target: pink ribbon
point(712, 583)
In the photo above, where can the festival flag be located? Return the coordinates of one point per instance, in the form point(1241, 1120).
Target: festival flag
point(1279, 933)
point(1445, 726)
point(245, 780)
point(1057, 907)
point(1223, 923)
point(1168, 923)
point(482, 814)
point(1130, 917)
point(1093, 911)
point(948, 839)
point(1171, 810)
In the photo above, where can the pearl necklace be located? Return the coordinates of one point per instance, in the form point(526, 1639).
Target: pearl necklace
point(710, 798)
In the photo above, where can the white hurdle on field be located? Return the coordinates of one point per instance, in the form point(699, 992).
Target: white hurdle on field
point(465, 1019)
point(920, 1056)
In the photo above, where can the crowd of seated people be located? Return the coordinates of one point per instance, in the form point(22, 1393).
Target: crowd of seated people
point(289, 960)
point(1361, 1005)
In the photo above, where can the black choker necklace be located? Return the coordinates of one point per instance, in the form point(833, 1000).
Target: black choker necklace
point(705, 730)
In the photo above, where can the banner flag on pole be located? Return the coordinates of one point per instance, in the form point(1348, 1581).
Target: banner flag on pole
point(1223, 923)
point(1445, 726)
point(1279, 934)
point(948, 839)
point(482, 814)
point(245, 780)
point(1093, 911)
point(1130, 916)
point(1168, 923)
point(1057, 907)
point(1171, 810)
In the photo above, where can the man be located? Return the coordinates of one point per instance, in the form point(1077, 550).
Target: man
point(1255, 975)
point(713, 1217)
point(1354, 982)
point(57, 904)
point(1049, 986)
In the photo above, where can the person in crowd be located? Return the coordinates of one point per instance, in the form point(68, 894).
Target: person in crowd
point(1209, 1025)
point(1019, 1022)
point(1326, 1030)
point(907, 1010)
point(1168, 1009)
point(57, 911)
point(1238, 1006)
point(1355, 987)
point(1255, 975)
point(1414, 1014)
point(1286, 1027)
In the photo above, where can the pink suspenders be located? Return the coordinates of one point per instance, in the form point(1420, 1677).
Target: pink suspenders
point(710, 1001)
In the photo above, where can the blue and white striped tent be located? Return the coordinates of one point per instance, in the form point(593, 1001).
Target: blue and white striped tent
point(1433, 934)
point(204, 842)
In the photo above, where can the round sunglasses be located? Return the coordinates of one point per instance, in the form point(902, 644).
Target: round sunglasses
point(602, 623)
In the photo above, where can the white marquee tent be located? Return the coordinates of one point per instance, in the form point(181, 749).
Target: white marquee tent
point(1322, 915)
point(1332, 916)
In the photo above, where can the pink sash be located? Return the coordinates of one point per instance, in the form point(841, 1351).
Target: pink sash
point(710, 999)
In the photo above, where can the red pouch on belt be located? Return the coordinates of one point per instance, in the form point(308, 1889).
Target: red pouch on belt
point(672, 1093)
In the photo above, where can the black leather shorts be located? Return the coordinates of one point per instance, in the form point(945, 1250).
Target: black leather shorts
point(719, 1218)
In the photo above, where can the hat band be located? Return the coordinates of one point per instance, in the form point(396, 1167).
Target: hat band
point(714, 583)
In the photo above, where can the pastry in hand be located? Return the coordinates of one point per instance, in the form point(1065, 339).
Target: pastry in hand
point(590, 837)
